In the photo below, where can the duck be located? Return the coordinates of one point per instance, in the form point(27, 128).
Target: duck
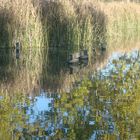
point(18, 48)
point(84, 55)
point(73, 58)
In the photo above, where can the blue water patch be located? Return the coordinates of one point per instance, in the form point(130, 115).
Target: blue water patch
point(1, 97)
point(129, 59)
point(40, 107)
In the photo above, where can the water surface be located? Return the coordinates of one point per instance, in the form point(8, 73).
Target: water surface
point(103, 104)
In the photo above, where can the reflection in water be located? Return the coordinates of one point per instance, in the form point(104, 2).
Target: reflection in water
point(104, 106)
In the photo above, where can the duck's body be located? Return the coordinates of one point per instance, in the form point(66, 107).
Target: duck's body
point(84, 55)
point(18, 48)
point(74, 58)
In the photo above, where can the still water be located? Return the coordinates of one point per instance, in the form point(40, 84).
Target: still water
point(103, 105)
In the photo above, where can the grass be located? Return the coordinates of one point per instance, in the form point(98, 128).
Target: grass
point(20, 21)
point(61, 23)
point(72, 24)
point(123, 22)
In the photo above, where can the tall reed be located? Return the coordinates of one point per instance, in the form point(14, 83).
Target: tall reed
point(72, 24)
point(20, 22)
point(123, 22)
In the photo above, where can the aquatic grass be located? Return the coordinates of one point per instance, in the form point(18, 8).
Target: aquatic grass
point(24, 24)
point(20, 22)
point(123, 22)
point(73, 24)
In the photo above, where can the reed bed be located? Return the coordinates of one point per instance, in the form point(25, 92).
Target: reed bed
point(72, 24)
point(123, 22)
point(20, 22)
